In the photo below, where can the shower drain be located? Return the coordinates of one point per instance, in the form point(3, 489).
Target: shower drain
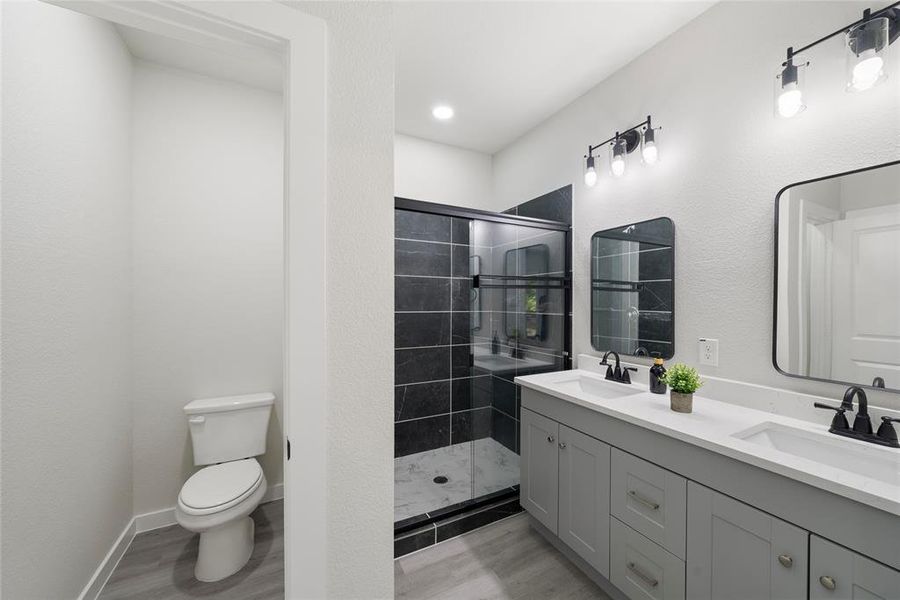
point(441, 479)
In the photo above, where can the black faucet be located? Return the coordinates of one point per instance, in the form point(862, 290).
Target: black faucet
point(862, 424)
point(618, 374)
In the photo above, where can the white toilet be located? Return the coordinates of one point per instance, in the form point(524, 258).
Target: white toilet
point(217, 500)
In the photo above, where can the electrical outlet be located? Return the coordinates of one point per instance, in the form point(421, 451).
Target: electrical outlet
point(709, 352)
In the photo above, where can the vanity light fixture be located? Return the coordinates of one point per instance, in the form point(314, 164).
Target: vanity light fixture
point(622, 144)
point(866, 42)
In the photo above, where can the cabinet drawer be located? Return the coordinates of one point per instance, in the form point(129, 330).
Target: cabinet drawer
point(650, 500)
point(641, 569)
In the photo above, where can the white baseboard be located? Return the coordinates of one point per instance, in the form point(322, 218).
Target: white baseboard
point(165, 517)
point(140, 524)
point(109, 563)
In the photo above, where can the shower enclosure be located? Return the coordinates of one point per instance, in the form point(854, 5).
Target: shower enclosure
point(480, 298)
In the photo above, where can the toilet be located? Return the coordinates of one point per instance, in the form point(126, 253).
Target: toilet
point(216, 501)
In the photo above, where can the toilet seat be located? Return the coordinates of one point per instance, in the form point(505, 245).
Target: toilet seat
point(217, 488)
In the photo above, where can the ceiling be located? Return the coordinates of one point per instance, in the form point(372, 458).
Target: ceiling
point(250, 65)
point(506, 66)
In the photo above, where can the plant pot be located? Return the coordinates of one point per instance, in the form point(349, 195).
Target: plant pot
point(683, 403)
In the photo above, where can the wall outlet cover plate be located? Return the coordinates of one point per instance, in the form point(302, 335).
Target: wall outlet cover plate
point(709, 352)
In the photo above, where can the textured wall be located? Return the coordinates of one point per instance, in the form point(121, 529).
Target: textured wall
point(433, 172)
point(66, 258)
point(208, 293)
point(360, 298)
point(723, 158)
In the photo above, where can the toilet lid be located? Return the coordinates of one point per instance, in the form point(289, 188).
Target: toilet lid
point(220, 484)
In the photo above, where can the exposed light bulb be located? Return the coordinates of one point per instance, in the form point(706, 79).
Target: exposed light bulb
point(649, 149)
point(790, 101)
point(618, 165)
point(649, 153)
point(442, 112)
point(590, 175)
point(867, 71)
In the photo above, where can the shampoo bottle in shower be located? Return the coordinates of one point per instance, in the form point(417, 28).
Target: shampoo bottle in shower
point(657, 371)
point(495, 344)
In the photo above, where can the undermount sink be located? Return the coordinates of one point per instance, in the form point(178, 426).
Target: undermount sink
point(871, 461)
point(595, 386)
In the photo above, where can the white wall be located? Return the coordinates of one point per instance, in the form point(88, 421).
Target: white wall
point(360, 230)
point(434, 172)
point(208, 294)
point(66, 264)
point(723, 158)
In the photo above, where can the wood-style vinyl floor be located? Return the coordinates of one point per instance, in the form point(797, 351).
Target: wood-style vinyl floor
point(504, 560)
point(159, 565)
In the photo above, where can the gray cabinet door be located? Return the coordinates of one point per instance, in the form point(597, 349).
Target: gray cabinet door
point(836, 573)
point(540, 468)
point(584, 497)
point(735, 552)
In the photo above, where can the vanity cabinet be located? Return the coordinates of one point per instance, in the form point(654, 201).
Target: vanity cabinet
point(565, 486)
point(836, 573)
point(736, 551)
point(584, 496)
point(539, 468)
point(656, 519)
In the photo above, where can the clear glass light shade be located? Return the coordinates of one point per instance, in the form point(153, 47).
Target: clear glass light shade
point(789, 85)
point(617, 158)
point(590, 173)
point(867, 53)
point(650, 147)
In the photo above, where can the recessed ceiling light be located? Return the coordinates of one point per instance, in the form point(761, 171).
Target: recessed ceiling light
point(442, 112)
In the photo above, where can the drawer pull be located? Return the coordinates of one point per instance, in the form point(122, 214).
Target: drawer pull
point(562, 445)
point(643, 576)
point(648, 503)
point(550, 439)
point(828, 582)
point(786, 561)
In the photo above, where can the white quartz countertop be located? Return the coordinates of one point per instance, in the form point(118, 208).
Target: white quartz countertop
point(712, 426)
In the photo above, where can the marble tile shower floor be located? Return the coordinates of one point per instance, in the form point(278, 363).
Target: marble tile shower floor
point(415, 491)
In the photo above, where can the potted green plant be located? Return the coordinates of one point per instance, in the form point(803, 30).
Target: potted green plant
point(683, 381)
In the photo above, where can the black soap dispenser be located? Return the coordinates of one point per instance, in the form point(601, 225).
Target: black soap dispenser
point(656, 372)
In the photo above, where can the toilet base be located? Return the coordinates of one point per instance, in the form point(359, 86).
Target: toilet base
point(224, 550)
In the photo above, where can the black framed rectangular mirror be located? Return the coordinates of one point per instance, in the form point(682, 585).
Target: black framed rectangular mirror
point(837, 278)
point(633, 288)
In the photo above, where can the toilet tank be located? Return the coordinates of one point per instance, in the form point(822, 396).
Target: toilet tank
point(229, 428)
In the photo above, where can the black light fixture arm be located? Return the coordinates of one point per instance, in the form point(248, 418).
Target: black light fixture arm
point(592, 149)
point(867, 15)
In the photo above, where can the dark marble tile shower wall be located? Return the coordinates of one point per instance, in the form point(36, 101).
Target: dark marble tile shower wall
point(438, 400)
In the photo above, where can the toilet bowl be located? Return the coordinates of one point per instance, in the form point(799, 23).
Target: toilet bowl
point(217, 500)
point(216, 503)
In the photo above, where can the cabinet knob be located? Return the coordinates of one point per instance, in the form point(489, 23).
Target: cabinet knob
point(562, 445)
point(551, 439)
point(828, 582)
point(786, 561)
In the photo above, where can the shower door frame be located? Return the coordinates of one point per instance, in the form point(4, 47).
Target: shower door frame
point(420, 206)
point(301, 39)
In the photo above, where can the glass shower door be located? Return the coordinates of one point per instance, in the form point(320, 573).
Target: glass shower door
point(522, 297)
